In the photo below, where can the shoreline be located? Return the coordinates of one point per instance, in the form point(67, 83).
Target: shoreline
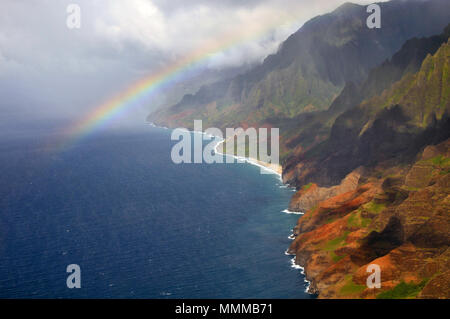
point(273, 169)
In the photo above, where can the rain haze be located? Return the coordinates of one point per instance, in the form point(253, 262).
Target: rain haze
point(49, 72)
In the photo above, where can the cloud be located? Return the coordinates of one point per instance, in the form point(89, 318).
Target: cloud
point(47, 69)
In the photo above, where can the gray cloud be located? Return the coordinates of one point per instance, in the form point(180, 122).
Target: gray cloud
point(48, 70)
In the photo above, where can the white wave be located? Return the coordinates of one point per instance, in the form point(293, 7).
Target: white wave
point(287, 211)
point(302, 271)
point(238, 158)
point(164, 293)
point(308, 284)
point(253, 162)
point(295, 266)
point(288, 254)
point(246, 160)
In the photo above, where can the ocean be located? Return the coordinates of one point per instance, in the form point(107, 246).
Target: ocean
point(138, 225)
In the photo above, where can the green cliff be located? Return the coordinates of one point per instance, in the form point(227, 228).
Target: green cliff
point(364, 117)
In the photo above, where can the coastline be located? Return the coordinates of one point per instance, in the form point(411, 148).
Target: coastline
point(273, 169)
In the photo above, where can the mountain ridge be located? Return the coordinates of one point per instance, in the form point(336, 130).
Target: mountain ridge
point(364, 135)
point(366, 146)
point(310, 69)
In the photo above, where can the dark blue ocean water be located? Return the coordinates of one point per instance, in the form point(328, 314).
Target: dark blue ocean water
point(138, 225)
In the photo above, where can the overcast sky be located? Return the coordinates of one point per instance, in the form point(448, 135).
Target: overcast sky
point(48, 70)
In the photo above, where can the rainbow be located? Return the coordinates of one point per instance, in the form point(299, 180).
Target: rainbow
point(123, 101)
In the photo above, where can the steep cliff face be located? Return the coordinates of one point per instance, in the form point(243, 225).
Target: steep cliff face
point(311, 67)
point(368, 197)
point(394, 125)
point(399, 221)
point(314, 128)
point(310, 195)
point(396, 216)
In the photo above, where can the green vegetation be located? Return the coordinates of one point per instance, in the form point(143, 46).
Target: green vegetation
point(351, 221)
point(330, 220)
point(440, 161)
point(411, 188)
point(365, 222)
point(307, 186)
point(351, 288)
point(332, 245)
point(356, 220)
point(336, 243)
point(374, 207)
point(335, 257)
point(403, 291)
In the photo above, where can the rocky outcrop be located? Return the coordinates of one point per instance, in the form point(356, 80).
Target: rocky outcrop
point(438, 287)
point(400, 222)
point(310, 195)
point(349, 144)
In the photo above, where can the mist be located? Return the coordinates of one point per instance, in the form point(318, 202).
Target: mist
point(49, 72)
